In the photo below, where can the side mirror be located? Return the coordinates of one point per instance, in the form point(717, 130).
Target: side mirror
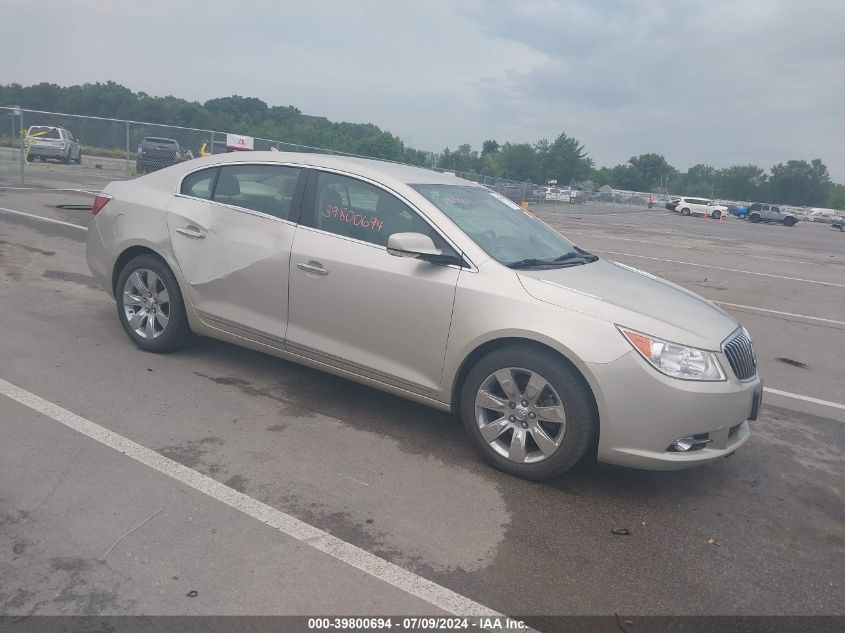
point(421, 247)
point(411, 245)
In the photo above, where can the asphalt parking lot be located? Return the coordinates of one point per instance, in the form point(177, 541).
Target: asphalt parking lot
point(91, 523)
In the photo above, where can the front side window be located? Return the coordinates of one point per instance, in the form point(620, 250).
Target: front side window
point(503, 229)
point(354, 208)
point(264, 188)
point(200, 183)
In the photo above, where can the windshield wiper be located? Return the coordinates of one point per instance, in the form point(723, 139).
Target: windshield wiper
point(530, 263)
point(587, 255)
point(565, 260)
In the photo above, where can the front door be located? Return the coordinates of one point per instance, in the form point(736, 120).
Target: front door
point(231, 228)
point(355, 306)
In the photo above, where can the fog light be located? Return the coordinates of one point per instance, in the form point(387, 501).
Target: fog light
point(690, 443)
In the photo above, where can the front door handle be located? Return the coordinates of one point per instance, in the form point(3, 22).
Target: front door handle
point(312, 267)
point(191, 231)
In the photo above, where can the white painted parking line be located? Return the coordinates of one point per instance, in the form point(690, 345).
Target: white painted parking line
point(792, 314)
point(787, 394)
point(41, 217)
point(650, 243)
point(601, 215)
point(46, 189)
point(415, 585)
point(731, 270)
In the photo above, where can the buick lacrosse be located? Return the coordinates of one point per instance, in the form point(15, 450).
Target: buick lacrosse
point(435, 289)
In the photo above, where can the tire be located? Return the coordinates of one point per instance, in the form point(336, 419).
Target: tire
point(685, 212)
point(78, 160)
point(169, 336)
point(754, 217)
point(715, 215)
point(789, 221)
point(564, 390)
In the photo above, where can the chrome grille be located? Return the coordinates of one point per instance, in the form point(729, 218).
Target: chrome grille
point(739, 351)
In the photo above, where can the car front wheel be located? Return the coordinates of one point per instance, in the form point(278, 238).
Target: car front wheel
point(788, 221)
point(528, 412)
point(150, 306)
point(685, 211)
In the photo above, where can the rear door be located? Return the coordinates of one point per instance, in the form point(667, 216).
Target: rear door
point(231, 228)
point(355, 306)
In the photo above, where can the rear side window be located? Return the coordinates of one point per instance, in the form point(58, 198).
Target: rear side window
point(160, 141)
point(200, 184)
point(264, 188)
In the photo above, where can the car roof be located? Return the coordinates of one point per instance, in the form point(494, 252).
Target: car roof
point(368, 167)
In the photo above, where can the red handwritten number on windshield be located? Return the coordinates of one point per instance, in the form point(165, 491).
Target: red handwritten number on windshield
point(350, 217)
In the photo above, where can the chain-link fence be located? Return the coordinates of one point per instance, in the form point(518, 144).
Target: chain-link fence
point(81, 149)
point(35, 144)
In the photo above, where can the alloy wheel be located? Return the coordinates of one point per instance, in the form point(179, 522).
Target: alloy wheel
point(520, 415)
point(146, 304)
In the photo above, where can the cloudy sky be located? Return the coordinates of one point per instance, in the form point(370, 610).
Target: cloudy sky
point(718, 82)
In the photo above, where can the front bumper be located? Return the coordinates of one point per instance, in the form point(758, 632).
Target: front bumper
point(642, 412)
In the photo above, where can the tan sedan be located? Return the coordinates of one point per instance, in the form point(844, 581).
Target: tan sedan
point(435, 289)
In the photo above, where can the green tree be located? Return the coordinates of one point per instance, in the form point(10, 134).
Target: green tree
point(799, 182)
point(699, 180)
point(567, 161)
point(740, 182)
point(654, 172)
point(519, 162)
point(489, 147)
point(835, 196)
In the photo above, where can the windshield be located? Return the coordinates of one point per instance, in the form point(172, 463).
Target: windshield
point(506, 231)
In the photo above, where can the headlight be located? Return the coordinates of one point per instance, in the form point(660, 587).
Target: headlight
point(677, 361)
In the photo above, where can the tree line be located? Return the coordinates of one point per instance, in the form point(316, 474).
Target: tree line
point(565, 159)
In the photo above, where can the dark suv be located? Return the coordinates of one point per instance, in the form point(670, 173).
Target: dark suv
point(156, 153)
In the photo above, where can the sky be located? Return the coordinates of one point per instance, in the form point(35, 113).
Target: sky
point(715, 82)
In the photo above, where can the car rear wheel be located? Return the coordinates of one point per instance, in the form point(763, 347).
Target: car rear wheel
point(150, 306)
point(685, 211)
point(527, 412)
point(788, 221)
point(754, 217)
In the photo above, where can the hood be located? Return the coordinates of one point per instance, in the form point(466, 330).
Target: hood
point(632, 298)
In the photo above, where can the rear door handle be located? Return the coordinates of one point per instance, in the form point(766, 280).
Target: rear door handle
point(191, 231)
point(312, 267)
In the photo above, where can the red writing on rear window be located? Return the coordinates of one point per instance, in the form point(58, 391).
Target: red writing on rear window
point(345, 215)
